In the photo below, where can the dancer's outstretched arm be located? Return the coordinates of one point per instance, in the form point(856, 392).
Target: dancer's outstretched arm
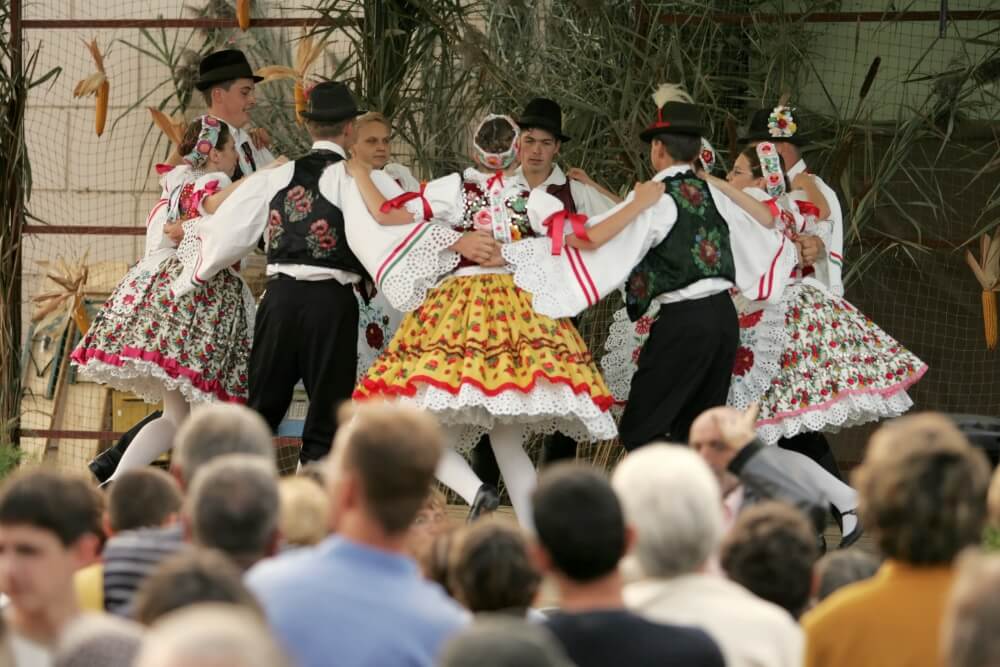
point(758, 210)
point(646, 194)
point(361, 173)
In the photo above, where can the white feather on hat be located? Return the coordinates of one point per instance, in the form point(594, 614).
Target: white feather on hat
point(671, 92)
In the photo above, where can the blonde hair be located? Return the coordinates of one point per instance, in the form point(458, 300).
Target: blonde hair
point(305, 509)
point(372, 117)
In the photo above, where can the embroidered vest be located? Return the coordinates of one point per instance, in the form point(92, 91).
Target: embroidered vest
point(696, 248)
point(303, 227)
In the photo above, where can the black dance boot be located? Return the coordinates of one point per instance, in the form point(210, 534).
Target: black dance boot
point(486, 502)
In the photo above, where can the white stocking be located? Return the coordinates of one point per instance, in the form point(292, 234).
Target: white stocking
point(516, 467)
point(841, 495)
point(455, 472)
point(157, 436)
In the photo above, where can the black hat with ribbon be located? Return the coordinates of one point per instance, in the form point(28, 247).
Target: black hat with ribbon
point(331, 102)
point(544, 114)
point(676, 113)
point(222, 66)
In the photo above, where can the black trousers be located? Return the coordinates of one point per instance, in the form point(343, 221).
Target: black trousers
point(305, 330)
point(684, 369)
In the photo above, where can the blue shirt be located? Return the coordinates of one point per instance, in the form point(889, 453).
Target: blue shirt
point(343, 603)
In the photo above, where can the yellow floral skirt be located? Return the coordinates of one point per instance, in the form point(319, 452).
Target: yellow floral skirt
point(476, 353)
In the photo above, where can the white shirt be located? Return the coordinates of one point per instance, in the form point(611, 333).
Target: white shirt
point(831, 231)
point(331, 181)
point(750, 632)
point(28, 653)
point(588, 200)
point(261, 156)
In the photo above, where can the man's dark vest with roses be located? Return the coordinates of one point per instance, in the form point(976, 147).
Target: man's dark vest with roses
point(303, 227)
point(696, 248)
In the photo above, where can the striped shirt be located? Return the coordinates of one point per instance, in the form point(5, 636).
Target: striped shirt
point(133, 555)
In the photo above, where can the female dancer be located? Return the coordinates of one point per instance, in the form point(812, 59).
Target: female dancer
point(181, 350)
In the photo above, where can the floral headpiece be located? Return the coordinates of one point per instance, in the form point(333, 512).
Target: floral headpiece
point(770, 167)
point(707, 156)
point(781, 123)
point(497, 161)
point(208, 139)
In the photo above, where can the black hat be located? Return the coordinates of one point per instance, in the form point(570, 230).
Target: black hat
point(224, 66)
point(675, 118)
point(544, 114)
point(332, 102)
point(784, 127)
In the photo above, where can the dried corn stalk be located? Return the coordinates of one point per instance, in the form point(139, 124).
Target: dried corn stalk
point(305, 56)
point(987, 272)
point(70, 282)
point(96, 84)
point(173, 128)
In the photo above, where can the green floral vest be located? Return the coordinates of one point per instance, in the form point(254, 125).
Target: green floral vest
point(696, 248)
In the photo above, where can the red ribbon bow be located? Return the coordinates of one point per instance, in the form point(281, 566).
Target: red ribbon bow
point(400, 201)
point(162, 169)
point(556, 223)
point(495, 178)
point(807, 208)
point(772, 204)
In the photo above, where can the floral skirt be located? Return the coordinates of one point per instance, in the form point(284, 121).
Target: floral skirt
point(815, 363)
point(476, 354)
point(147, 342)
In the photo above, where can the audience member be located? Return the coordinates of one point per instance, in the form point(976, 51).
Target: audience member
point(192, 577)
point(212, 635)
point(232, 506)
point(47, 533)
point(581, 537)
point(504, 642)
point(432, 520)
point(356, 595)
point(304, 516)
point(672, 500)
point(99, 640)
point(210, 432)
point(490, 569)
point(841, 568)
point(436, 562)
point(923, 498)
point(140, 498)
point(771, 550)
point(970, 636)
point(215, 430)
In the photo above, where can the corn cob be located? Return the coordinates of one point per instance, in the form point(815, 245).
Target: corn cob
point(170, 127)
point(243, 14)
point(96, 84)
point(987, 272)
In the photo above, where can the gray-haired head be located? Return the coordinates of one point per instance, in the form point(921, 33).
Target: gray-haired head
point(99, 640)
point(672, 500)
point(217, 430)
point(842, 568)
point(233, 506)
point(502, 641)
point(209, 635)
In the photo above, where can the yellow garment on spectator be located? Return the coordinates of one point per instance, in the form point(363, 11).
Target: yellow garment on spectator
point(89, 585)
point(894, 619)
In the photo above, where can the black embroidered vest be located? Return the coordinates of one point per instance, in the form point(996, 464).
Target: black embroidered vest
point(303, 227)
point(696, 248)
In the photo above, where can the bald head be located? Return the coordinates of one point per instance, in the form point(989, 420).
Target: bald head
point(705, 435)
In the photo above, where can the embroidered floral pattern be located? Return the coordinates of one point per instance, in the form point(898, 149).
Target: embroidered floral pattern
point(690, 193)
point(743, 361)
point(781, 123)
point(833, 351)
point(322, 239)
point(274, 230)
point(479, 217)
point(481, 331)
point(298, 204)
point(706, 251)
